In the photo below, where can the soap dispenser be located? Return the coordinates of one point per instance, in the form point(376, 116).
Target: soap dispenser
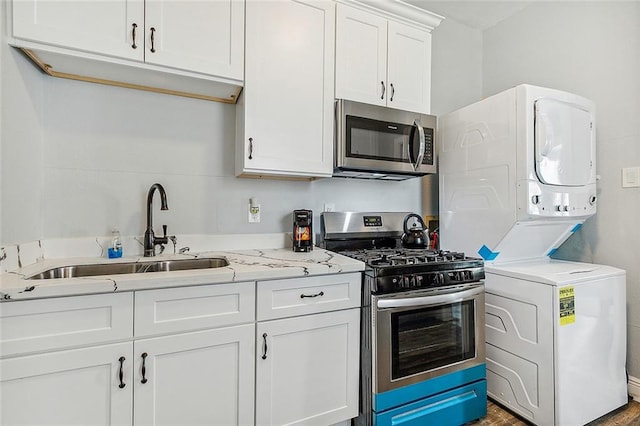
point(115, 248)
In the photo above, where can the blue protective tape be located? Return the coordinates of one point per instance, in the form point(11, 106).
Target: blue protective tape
point(451, 407)
point(487, 254)
point(552, 251)
point(396, 397)
point(575, 228)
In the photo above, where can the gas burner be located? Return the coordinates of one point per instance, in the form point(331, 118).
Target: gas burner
point(380, 258)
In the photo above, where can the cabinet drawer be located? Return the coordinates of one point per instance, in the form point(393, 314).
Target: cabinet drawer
point(191, 308)
point(45, 324)
point(302, 296)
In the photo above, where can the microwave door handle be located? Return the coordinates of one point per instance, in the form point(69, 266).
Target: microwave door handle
point(440, 299)
point(422, 145)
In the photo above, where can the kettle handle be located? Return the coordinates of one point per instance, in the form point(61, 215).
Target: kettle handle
point(406, 219)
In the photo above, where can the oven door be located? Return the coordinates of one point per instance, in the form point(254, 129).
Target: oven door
point(426, 333)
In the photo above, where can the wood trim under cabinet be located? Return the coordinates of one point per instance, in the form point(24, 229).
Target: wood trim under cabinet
point(48, 69)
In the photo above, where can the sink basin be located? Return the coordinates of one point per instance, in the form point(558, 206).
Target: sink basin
point(96, 269)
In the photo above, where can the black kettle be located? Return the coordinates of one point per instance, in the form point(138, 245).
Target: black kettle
point(416, 237)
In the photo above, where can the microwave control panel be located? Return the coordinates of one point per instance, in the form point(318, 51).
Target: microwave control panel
point(428, 149)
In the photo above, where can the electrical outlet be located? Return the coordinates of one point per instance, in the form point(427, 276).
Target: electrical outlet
point(329, 207)
point(254, 213)
point(631, 177)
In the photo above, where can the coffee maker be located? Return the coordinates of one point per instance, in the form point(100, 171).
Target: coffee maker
point(302, 230)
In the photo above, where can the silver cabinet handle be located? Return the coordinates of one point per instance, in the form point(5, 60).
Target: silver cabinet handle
point(383, 90)
point(153, 32)
point(421, 148)
point(393, 92)
point(133, 35)
point(250, 148)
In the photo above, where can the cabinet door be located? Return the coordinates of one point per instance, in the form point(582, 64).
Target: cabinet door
point(409, 68)
point(105, 27)
point(361, 56)
point(289, 88)
point(73, 387)
point(199, 378)
point(307, 369)
point(200, 36)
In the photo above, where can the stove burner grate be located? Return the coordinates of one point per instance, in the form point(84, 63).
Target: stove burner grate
point(398, 257)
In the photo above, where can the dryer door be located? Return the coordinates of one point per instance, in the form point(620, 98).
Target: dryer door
point(564, 143)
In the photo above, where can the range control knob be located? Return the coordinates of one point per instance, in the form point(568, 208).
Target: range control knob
point(438, 278)
point(418, 282)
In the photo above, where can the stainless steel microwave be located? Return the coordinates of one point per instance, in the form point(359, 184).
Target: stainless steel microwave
point(374, 142)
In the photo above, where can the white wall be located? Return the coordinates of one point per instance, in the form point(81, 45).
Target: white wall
point(456, 81)
point(21, 149)
point(78, 159)
point(103, 147)
point(591, 49)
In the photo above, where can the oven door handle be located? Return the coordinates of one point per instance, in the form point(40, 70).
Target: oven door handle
point(453, 297)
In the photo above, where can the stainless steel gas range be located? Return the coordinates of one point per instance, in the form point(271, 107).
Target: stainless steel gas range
point(422, 324)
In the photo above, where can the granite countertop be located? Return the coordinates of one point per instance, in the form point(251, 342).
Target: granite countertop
point(244, 265)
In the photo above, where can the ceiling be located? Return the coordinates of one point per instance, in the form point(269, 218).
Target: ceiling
point(478, 14)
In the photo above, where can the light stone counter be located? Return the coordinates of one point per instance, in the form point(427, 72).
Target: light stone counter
point(244, 265)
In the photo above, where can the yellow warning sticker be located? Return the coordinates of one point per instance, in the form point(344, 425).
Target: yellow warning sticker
point(567, 306)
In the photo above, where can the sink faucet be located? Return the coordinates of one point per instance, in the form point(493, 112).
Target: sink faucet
point(150, 240)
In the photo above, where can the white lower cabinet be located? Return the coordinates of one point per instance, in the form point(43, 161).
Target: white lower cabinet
point(307, 351)
point(307, 369)
point(70, 387)
point(198, 378)
point(192, 359)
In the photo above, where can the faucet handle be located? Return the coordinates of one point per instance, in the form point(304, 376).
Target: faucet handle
point(174, 240)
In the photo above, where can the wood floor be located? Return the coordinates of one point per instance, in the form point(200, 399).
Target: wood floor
point(629, 415)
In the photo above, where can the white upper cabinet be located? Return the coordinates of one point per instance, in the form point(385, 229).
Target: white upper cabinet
point(191, 48)
point(108, 27)
point(409, 68)
point(201, 36)
point(361, 56)
point(384, 61)
point(285, 116)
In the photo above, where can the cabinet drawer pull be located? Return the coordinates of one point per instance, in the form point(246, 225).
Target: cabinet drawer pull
point(264, 353)
point(250, 148)
point(121, 372)
point(153, 32)
point(133, 35)
point(383, 90)
point(302, 296)
point(144, 368)
point(393, 92)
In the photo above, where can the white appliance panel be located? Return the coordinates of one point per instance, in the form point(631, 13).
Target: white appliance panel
point(591, 352)
point(576, 346)
point(519, 340)
point(524, 155)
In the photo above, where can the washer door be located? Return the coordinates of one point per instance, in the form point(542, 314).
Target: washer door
point(564, 143)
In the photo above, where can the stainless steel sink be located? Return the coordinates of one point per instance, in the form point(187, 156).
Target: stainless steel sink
point(96, 269)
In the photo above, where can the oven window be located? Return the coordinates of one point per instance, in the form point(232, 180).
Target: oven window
point(429, 338)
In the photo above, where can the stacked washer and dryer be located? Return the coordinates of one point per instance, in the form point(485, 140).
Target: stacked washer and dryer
point(517, 176)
